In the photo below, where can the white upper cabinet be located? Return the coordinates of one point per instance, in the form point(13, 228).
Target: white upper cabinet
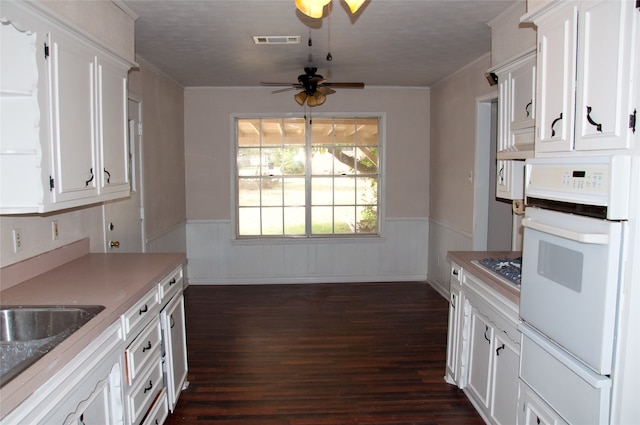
point(516, 113)
point(583, 76)
point(69, 146)
point(604, 61)
point(72, 83)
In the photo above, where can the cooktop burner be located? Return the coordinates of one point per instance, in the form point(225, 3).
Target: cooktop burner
point(508, 268)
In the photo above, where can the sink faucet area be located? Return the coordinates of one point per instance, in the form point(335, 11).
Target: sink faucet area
point(29, 332)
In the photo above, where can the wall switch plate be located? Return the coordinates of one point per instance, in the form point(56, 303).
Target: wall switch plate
point(55, 231)
point(17, 240)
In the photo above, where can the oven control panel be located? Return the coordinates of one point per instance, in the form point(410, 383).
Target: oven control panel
point(599, 181)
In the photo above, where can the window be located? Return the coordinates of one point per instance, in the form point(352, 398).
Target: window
point(307, 178)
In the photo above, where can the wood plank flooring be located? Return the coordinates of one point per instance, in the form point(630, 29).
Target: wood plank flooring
point(320, 354)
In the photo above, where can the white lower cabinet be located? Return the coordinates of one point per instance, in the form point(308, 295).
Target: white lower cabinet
point(453, 331)
point(119, 378)
point(175, 348)
point(486, 349)
point(87, 388)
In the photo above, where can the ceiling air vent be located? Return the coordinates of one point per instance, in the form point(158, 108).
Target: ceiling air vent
point(276, 39)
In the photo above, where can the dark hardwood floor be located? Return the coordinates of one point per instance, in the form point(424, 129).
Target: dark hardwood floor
point(325, 354)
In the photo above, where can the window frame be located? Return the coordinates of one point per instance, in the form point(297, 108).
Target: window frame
point(235, 221)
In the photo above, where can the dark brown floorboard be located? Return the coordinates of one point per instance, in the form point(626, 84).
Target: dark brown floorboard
point(320, 354)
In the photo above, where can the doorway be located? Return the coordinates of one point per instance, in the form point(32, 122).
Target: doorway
point(123, 219)
point(493, 218)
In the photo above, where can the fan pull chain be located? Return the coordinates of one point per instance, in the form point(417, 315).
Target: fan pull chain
point(329, 57)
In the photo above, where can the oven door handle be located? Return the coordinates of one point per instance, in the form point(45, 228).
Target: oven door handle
point(590, 238)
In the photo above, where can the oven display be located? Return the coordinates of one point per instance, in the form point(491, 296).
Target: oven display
point(579, 174)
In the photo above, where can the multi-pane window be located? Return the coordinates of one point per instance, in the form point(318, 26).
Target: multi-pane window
point(301, 178)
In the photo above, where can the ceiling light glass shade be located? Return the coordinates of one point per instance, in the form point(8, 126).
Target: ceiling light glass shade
point(312, 8)
point(300, 98)
point(320, 98)
point(354, 5)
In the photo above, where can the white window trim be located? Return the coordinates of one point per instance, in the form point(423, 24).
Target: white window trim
point(382, 123)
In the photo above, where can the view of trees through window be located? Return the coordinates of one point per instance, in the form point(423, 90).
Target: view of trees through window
point(307, 178)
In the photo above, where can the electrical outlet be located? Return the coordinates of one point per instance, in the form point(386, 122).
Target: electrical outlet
point(17, 240)
point(55, 231)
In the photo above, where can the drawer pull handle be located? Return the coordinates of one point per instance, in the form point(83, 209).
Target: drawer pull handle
point(498, 349)
point(148, 347)
point(149, 387)
point(172, 281)
point(455, 272)
point(143, 309)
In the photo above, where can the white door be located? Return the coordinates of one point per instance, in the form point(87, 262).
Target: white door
point(123, 219)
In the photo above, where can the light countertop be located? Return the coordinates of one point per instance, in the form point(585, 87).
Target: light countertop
point(465, 260)
point(115, 281)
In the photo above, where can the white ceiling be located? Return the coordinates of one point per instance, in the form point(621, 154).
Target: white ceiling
point(413, 43)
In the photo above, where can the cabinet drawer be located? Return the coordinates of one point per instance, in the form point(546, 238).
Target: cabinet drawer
point(145, 392)
point(170, 284)
point(142, 311)
point(143, 350)
point(578, 394)
point(159, 411)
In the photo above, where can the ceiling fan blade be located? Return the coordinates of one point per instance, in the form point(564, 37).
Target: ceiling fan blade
point(325, 90)
point(344, 85)
point(287, 89)
point(279, 84)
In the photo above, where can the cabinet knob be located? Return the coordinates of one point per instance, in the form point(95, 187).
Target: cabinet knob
point(114, 244)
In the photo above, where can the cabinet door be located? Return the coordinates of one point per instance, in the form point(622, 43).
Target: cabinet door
point(504, 400)
point(112, 124)
point(522, 111)
point(480, 357)
point(556, 65)
point(510, 179)
point(72, 106)
point(175, 344)
point(453, 332)
point(604, 53)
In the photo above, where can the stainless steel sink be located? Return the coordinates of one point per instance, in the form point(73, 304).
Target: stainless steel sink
point(29, 332)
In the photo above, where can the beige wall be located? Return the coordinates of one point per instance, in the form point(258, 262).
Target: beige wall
point(163, 148)
point(208, 142)
point(510, 38)
point(453, 139)
point(101, 20)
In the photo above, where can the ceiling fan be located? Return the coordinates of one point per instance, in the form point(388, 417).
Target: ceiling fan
point(314, 88)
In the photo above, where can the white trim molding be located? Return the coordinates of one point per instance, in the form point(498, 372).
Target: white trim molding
point(214, 257)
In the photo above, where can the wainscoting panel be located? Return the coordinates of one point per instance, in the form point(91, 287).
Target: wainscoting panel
point(214, 257)
point(171, 240)
point(443, 238)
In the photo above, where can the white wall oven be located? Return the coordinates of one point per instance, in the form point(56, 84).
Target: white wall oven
point(573, 248)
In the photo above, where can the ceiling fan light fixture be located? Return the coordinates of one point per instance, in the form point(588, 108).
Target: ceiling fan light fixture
point(312, 8)
point(319, 98)
point(300, 98)
point(354, 5)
